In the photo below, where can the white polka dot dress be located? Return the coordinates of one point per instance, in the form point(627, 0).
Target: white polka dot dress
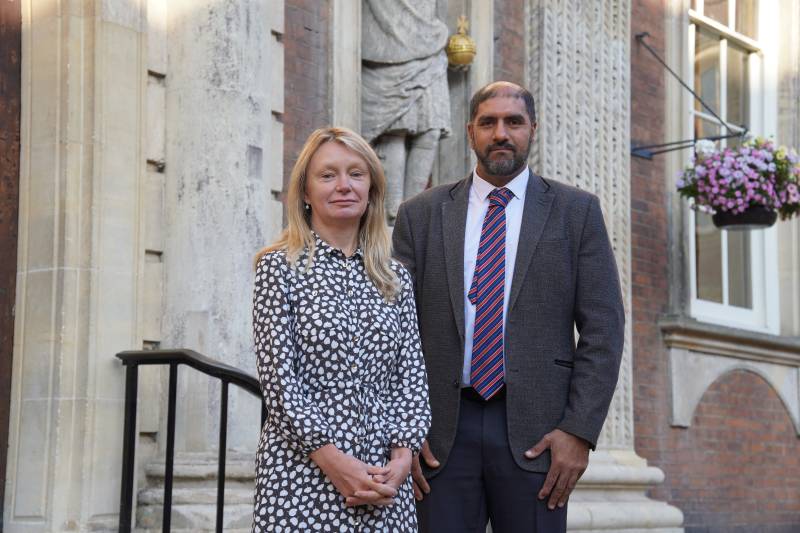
point(337, 364)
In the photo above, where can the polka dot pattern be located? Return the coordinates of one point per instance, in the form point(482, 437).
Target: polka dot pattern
point(337, 364)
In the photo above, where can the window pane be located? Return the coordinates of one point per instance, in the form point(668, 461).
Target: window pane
point(704, 128)
point(706, 71)
point(739, 276)
point(738, 87)
point(747, 17)
point(708, 251)
point(717, 10)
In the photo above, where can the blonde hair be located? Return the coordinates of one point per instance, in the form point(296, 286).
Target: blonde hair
point(373, 234)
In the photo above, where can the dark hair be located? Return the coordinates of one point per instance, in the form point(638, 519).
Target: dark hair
point(496, 89)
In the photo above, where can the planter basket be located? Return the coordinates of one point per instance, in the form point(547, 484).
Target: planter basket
point(756, 217)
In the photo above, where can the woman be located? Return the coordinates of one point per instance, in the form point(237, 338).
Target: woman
point(338, 349)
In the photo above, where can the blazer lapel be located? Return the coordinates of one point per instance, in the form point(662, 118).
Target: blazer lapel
point(454, 221)
point(538, 201)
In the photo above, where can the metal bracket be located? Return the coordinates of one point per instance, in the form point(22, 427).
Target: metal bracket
point(648, 151)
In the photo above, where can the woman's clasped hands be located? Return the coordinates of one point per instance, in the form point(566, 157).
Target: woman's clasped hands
point(359, 482)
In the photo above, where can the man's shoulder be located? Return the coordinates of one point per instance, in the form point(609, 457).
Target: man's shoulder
point(568, 194)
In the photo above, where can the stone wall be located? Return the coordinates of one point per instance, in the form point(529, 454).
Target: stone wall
point(224, 154)
point(151, 171)
point(79, 261)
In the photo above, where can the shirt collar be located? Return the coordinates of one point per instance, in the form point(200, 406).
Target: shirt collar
point(517, 185)
point(327, 249)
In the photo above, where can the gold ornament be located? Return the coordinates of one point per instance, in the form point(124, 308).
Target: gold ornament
point(461, 48)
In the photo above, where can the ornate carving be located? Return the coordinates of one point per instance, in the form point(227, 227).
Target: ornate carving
point(578, 55)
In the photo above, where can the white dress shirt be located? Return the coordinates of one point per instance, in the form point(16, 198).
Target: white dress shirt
point(476, 211)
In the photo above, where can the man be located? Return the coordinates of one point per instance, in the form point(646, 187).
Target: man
point(507, 265)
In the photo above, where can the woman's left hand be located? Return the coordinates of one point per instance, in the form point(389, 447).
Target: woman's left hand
point(399, 469)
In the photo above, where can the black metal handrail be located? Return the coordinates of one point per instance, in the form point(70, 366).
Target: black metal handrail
point(225, 373)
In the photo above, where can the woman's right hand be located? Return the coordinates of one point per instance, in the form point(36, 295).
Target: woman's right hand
point(349, 475)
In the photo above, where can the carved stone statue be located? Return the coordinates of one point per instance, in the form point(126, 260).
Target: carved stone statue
point(405, 106)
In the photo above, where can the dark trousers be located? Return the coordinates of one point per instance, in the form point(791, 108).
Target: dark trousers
point(482, 483)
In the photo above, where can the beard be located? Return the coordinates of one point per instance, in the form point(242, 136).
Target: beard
point(507, 166)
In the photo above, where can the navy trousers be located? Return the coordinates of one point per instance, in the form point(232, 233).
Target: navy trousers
point(482, 483)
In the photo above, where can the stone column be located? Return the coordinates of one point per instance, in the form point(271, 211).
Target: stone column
point(345, 71)
point(224, 175)
point(79, 261)
point(789, 134)
point(579, 73)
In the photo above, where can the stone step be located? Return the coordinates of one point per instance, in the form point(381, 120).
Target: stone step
point(195, 518)
point(200, 496)
point(203, 466)
point(176, 530)
point(194, 493)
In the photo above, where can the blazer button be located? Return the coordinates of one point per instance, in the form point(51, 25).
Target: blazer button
point(456, 383)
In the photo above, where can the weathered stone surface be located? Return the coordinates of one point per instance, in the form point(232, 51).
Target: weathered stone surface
point(194, 494)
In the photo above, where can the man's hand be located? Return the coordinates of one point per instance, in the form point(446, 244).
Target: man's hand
point(399, 467)
point(420, 484)
point(351, 476)
point(569, 457)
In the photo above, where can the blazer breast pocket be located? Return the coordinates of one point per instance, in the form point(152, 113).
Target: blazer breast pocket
point(564, 363)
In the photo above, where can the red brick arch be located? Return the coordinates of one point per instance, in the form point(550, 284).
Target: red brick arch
point(739, 462)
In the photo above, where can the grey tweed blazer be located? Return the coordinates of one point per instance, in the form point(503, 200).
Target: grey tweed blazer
point(565, 278)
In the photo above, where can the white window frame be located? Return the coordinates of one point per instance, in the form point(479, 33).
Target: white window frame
point(762, 69)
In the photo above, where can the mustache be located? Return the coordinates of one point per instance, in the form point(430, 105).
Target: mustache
point(501, 146)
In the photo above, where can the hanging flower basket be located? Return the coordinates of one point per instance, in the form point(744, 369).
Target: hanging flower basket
point(746, 187)
point(754, 217)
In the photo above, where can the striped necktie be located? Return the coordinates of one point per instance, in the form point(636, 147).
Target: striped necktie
point(486, 294)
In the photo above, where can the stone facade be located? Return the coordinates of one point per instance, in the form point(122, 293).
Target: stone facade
point(151, 173)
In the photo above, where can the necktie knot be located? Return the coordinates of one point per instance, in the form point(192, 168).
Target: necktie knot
point(500, 197)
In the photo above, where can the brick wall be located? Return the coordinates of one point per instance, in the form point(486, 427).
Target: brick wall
point(649, 233)
point(509, 41)
point(306, 64)
point(737, 467)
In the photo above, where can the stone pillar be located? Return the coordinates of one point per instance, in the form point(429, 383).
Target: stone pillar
point(224, 175)
point(789, 135)
point(79, 261)
point(579, 72)
point(345, 71)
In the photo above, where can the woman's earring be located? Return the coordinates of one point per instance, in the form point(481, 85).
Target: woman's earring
point(308, 207)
